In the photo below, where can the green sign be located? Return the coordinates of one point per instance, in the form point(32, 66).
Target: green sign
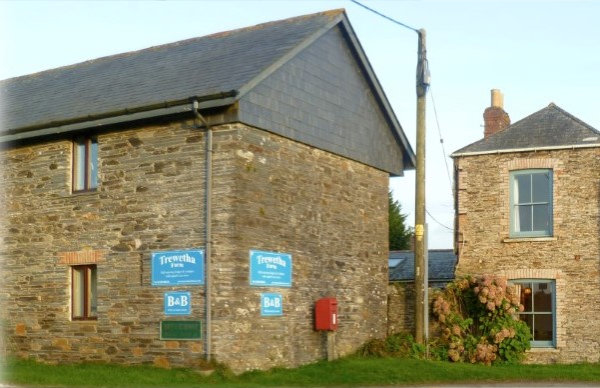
point(180, 330)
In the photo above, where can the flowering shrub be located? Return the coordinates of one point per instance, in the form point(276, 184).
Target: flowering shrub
point(479, 323)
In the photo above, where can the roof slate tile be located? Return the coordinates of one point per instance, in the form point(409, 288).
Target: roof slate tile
point(441, 265)
point(195, 67)
point(548, 127)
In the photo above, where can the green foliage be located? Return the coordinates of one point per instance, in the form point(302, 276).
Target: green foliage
point(438, 350)
point(479, 323)
point(400, 234)
point(403, 345)
point(396, 345)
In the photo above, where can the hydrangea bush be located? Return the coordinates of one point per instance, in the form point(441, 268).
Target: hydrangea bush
point(479, 323)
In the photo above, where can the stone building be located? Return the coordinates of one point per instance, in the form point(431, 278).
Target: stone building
point(252, 164)
point(528, 208)
point(401, 291)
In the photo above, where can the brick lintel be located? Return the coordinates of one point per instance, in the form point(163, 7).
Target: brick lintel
point(85, 256)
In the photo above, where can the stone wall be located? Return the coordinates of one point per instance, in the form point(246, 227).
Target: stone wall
point(330, 213)
point(269, 193)
point(401, 307)
point(149, 198)
point(571, 257)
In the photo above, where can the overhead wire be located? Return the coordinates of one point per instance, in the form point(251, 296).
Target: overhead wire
point(437, 121)
point(432, 99)
point(437, 222)
point(385, 16)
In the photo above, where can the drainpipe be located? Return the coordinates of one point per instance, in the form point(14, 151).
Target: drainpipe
point(208, 231)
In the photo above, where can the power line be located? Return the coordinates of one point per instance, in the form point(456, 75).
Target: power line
point(441, 139)
point(385, 16)
point(436, 221)
point(434, 108)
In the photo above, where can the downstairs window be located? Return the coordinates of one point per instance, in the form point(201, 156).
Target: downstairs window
point(538, 297)
point(83, 294)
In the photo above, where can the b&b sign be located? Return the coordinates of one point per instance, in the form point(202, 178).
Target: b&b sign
point(271, 304)
point(178, 303)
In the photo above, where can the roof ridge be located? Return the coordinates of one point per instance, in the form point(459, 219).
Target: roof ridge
point(569, 115)
point(485, 138)
point(329, 13)
point(550, 106)
point(489, 143)
point(524, 118)
point(105, 57)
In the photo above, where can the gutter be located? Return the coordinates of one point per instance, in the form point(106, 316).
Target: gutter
point(530, 149)
point(121, 116)
point(207, 229)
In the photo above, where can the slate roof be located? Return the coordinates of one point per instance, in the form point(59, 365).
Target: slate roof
point(441, 265)
point(548, 128)
point(176, 78)
point(202, 66)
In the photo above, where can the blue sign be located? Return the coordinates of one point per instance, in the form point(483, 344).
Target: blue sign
point(172, 268)
point(270, 269)
point(271, 305)
point(178, 303)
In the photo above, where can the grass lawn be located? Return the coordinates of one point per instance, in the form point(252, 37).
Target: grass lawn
point(345, 372)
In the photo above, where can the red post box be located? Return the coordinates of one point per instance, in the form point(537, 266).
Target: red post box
point(326, 314)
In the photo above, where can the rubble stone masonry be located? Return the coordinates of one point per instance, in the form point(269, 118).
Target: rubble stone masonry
point(570, 257)
point(269, 193)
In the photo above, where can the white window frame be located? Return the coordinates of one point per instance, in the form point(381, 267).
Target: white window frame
point(514, 207)
point(85, 164)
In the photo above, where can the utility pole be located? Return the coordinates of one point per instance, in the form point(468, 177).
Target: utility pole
point(422, 84)
point(420, 235)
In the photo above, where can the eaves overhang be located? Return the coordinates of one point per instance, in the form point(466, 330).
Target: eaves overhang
point(166, 108)
point(525, 149)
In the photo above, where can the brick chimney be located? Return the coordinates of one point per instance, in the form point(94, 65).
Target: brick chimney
point(495, 118)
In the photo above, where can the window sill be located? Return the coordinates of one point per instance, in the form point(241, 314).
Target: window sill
point(543, 350)
point(529, 239)
point(84, 192)
point(85, 320)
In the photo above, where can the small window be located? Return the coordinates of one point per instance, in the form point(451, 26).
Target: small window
point(531, 203)
point(83, 295)
point(538, 300)
point(85, 164)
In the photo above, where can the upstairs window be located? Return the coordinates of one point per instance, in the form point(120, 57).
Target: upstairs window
point(83, 295)
point(531, 203)
point(85, 164)
point(538, 300)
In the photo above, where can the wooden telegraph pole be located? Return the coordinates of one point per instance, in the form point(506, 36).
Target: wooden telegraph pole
point(422, 84)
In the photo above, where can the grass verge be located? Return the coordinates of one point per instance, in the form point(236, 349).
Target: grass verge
point(345, 372)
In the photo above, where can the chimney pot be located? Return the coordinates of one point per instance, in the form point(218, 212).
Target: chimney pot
point(497, 98)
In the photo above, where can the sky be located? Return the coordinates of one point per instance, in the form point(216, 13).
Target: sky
point(535, 52)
